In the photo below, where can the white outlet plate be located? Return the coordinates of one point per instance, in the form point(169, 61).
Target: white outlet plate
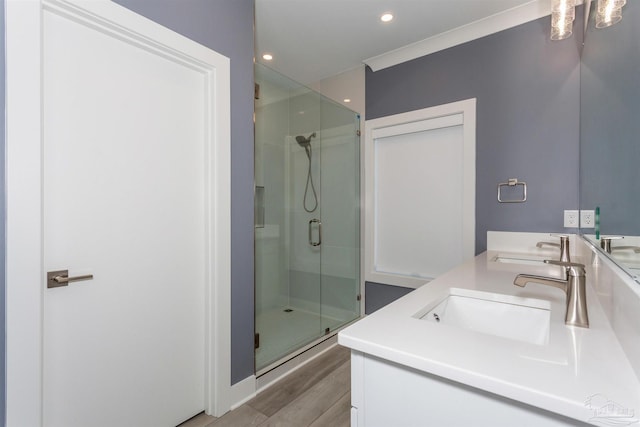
point(587, 219)
point(571, 218)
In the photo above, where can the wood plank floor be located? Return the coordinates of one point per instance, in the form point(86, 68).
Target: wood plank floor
point(316, 395)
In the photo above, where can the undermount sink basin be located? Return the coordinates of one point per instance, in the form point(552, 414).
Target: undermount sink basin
point(516, 318)
point(523, 259)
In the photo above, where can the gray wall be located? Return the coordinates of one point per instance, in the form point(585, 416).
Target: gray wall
point(527, 90)
point(610, 107)
point(377, 295)
point(226, 26)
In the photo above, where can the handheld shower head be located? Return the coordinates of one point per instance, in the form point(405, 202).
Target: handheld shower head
point(305, 142)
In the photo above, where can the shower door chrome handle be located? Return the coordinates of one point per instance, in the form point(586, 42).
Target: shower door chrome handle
point(311, 222)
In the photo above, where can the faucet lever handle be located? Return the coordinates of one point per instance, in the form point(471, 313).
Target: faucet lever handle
point(563, 245)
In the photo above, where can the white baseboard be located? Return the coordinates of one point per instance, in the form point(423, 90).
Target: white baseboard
point(269, 378)
point(242, 391)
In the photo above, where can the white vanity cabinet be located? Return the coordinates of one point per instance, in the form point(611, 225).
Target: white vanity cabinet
point(408, 371)
point(385, 394)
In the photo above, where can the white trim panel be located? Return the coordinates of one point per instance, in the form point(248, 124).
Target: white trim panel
point(23, 225)
point(453, 114)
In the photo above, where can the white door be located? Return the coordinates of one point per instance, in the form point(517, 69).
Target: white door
point(127, 200)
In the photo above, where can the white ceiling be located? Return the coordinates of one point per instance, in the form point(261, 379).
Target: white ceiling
point(315, 39)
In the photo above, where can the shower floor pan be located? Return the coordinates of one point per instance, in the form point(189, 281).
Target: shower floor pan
point(285, 333)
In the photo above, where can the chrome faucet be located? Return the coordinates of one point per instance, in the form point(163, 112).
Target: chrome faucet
point(563, 246)
point(605, 243)
point(574, 287)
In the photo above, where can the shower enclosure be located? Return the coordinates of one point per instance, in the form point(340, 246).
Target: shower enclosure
point(307, 210)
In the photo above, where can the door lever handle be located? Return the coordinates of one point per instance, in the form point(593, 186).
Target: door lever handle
point(58, 278)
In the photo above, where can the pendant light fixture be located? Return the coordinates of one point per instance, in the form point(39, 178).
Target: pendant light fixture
point(609, 12)
point(563, 13)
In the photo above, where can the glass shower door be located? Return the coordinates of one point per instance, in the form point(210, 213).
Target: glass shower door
point(307, 218)
point(340, 249)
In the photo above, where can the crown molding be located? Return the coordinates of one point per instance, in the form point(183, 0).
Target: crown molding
point(501, 21)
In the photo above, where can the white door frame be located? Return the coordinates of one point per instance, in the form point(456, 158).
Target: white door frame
point(24, 272)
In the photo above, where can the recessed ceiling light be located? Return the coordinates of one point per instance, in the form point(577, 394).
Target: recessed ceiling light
point(386, 17)
point(347, 100)
point(267, 57)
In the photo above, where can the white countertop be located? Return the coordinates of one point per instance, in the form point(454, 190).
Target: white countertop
point(560, 376)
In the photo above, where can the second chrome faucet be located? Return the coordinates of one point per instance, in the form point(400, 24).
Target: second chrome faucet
point(574, 286)
point(605, 243)
point(563, 246)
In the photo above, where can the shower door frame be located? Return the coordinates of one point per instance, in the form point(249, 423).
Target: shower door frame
point(290, 145)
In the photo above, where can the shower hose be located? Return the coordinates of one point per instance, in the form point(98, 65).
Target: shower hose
point(313, 189)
